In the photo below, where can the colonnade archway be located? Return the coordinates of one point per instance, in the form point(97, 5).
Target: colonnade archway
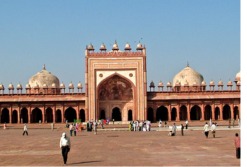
point(195, 113)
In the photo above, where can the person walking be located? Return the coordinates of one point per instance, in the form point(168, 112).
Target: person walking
point(186, 124)
point(182, 129)
point(237, 145)
point(25, 130)
point(95, 124)
point(206, 129)
point(174, 128)
point(65, 147)
point(71, 129)
point(213, 129)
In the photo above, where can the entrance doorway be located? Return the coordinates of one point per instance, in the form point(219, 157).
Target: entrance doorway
point(116, 114)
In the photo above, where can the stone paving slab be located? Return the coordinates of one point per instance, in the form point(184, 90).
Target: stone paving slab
point(118, 148)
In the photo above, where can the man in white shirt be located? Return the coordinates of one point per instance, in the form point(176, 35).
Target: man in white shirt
point(213, 129)
point(206, 129)
point(65, 147)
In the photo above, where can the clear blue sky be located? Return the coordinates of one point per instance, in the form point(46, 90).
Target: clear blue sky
point(205, 33)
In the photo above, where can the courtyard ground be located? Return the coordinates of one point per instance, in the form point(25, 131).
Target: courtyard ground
point(115, 146)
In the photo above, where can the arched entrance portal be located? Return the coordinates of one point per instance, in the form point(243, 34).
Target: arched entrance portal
point(236, 112)
point(49, 115)
point(207, 112)
point(116, 114)
point(115, 89)
point(217, 113)
point(14, 117)
point(183, 113)
point(226, 112)
point(174, 114)
point(82, 115)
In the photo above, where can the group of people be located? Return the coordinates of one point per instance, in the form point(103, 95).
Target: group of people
point(207, 128)
point(140, 125)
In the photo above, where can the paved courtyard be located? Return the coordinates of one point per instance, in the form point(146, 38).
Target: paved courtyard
point(118, 148)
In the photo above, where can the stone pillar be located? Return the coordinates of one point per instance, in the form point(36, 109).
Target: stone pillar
point(54, 114)
point(188, 112)
point(169, 112)
point(29, 114)
point(62, 115)
point(18, 115)
point(203, 111)
point(10, 115)
point(232, 109)
point(43, 115)
point(213, 112)
point(221, 112)
point(178, 113)
point(155, 111)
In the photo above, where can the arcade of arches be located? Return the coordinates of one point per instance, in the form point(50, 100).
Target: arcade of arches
point(36, 115)
point(196, 112)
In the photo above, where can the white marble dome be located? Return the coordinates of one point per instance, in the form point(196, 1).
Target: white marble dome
point(238, 77)
point(44, 77)
point(188, 77)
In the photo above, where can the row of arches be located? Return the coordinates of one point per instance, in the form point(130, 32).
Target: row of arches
point(195, 113)
point(37, 116)
point(70, 114)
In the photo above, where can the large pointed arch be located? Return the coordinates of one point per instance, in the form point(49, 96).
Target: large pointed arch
point(115, 87)
point(208, 112)
point(49, 115)
point(24, 115)
point(14, 117)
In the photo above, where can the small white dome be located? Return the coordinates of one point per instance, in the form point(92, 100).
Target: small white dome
point(229, 83)
point(211, 83)
point(71, 85)
point(220, 83)
point(160, 84)
point(28, 86)
point(1, 87)
point(102, 47)
point(127, 46)
point(11, 86)
point(203, 83)
point(168, 84)
point(62, 86)
point(139, 46)
point(79, 85)
point(19, 86)
point(238, 77)
point(90, 47)
point(115, 46)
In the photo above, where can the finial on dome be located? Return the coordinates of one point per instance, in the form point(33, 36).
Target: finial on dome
point(44, 67)
point(188, 64)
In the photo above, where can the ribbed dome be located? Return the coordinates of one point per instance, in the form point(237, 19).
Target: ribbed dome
point(44, 77)
point(188, 77)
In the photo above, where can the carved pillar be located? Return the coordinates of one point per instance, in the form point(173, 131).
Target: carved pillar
point(62, 115)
